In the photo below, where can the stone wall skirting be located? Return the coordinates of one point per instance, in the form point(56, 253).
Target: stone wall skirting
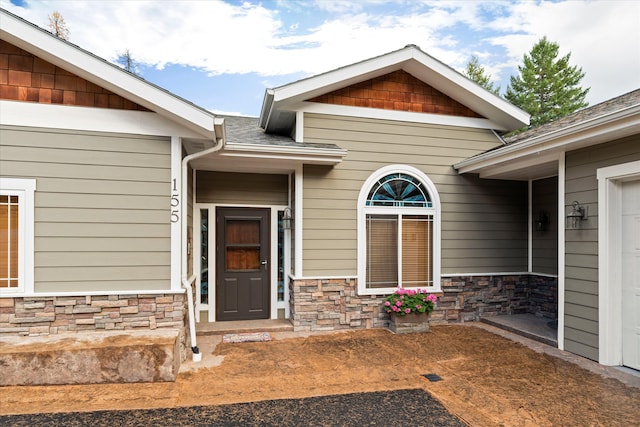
point(52, 315)
point(334, 304)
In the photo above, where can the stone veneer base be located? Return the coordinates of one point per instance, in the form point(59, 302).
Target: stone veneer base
point(41, 316)
point(334, 304)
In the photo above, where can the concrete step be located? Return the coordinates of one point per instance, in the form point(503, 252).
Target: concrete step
point(242, 326)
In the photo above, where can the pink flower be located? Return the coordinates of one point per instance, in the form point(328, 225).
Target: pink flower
point(432, 298)
point(407, 310)
point(394, 308)
point(418, 306)
point(387, 303)
point(398, 303)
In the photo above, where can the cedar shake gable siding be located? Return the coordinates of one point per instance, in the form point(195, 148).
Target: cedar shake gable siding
point(25, 77)
point(398, 90)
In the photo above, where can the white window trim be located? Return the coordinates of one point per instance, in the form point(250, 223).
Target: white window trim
point(435, 210)
point(24, 189)
point(610, 181)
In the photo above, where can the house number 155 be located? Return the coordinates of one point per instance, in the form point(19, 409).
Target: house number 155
point(175, 202)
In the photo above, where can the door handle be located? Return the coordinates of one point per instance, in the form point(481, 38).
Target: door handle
point(263, 262)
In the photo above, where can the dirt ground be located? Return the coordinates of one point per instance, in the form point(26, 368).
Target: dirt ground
point(487, 380)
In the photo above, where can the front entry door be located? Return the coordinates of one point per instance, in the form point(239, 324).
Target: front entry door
point(243, 286)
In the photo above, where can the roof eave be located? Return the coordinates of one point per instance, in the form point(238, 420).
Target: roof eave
point(606, 127)
point(420, 65)
point(102, 73)
point(259, 149)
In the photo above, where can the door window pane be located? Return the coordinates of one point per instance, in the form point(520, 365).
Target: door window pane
point(243, 232)
point(242, 245)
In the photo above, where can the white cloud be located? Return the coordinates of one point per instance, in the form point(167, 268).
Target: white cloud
point(239, 38)
point(602, 37)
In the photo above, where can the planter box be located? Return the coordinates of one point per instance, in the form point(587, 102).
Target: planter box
point(409, 323)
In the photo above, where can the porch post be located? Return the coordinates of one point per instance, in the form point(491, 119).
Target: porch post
point(561, 249)
point(176, 200)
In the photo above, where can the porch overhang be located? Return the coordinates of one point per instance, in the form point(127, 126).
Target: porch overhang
point(242, 157)
point(537, 157)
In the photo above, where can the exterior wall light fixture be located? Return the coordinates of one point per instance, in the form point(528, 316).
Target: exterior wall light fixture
point(542, 222)
point(578, 213)
point(287, 219)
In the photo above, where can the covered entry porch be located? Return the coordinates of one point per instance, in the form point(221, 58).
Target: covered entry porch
point(244, 221)
point(539, 312)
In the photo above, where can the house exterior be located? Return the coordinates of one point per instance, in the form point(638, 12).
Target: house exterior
point(591, 157)
point(90, 190)
point(138, 210)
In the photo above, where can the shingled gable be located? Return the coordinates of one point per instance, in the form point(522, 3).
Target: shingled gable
point(451, 95)
point(31, 79)
point(79, 63)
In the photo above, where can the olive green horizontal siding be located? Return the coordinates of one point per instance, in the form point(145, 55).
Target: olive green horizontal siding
point(544, 199)
point(101, 207)
point(241, 188)
point(581, 252)
point(483, 221)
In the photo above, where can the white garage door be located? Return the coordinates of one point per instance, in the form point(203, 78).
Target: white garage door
point(631, 274)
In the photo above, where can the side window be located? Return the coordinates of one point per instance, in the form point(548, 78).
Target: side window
point(16, 236)
point(398, 232)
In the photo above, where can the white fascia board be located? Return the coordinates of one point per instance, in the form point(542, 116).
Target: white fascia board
point(67, 117)
point(583, 134)
point(307, 155)
point(102, 73)
point(267, 107)
point(501, 114)
point(341, 77)
point(403, 116)
point(467, 92)
point(518, 164)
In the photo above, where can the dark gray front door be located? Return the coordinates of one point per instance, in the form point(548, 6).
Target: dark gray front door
point(243, 286)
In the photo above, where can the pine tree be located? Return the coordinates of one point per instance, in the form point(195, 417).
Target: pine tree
point(476, 72)
point(58, 26)
point(547, 88)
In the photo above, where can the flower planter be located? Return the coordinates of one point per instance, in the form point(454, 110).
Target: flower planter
point(409, 323)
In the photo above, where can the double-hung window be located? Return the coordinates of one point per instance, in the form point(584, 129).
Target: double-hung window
point(16, 235)
point(398, 232)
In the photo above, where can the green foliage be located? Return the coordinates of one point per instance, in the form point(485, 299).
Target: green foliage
point(476, 72)
point(547, 88)
point(405, 301)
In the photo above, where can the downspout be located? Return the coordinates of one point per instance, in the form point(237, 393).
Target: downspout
point(501, 139)
point(187, 282)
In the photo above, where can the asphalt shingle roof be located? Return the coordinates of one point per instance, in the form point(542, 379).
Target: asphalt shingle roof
point(610, 106)
point(246, 130)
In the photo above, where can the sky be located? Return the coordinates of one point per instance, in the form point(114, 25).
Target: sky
point(223, 55)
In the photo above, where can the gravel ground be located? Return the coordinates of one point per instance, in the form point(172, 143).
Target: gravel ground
point(400, 407)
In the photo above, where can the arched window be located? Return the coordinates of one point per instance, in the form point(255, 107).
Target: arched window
point(398, 231)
